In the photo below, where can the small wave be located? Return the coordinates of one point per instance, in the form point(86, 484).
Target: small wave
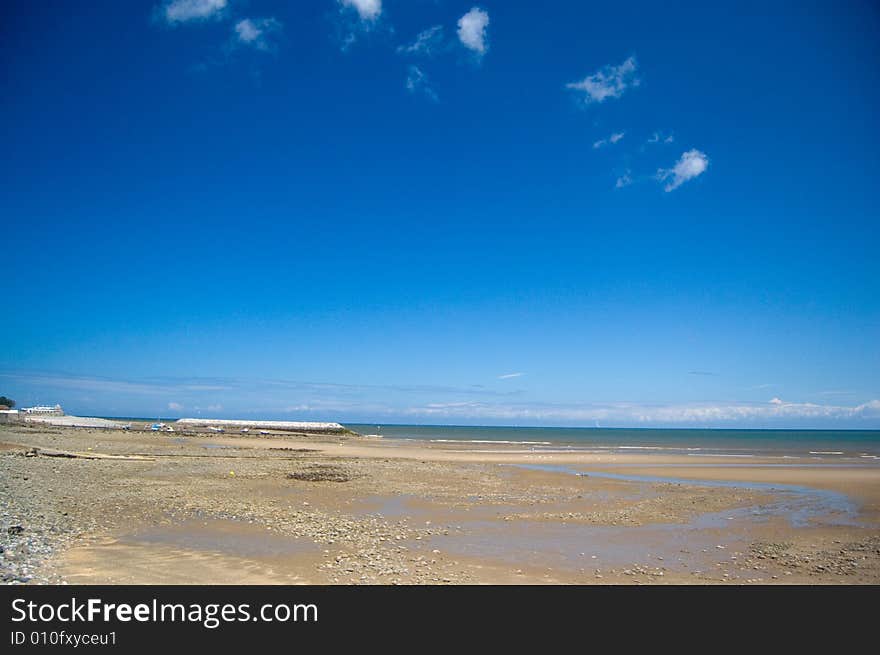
point(512, 452)
point(826, 452)
point(685, 448)
point(527, 443)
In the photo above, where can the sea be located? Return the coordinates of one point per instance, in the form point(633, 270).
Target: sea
point(863, 445)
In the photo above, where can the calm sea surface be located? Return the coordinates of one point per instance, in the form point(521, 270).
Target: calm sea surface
point(863, 444)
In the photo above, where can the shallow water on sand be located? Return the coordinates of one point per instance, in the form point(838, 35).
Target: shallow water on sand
point(801, 506)
point(698, 544)
point(223, 536)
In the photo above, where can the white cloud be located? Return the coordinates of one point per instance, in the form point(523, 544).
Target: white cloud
point(614, 138)
point(417, 82)
point(691, 164)
point(256, 32)
point(508, 376)
point(182, 11)
point(358, 17)
point(623, 180)
point(175, 407)
point(426, 42)
point(368, 10)
point(472, 30)
point(608, 82)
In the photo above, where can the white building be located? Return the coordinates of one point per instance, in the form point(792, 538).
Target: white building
point(44, 410)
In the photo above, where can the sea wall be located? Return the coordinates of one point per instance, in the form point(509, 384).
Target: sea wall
point(7, 416)
point(284, 426)
point(73, 421)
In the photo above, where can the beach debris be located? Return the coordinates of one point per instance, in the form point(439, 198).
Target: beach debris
point(322, 473)
point(59, 453)
point(842, 559)
point(14, 530)
point(296, 450)
point(64, 454)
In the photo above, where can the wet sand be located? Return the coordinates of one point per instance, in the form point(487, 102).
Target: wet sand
point(195, 508)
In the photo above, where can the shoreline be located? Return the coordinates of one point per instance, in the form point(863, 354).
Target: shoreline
point(345, 509)
point(744, 444)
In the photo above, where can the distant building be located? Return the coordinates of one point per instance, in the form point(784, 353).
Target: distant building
point(44, 410)
point(9, 416)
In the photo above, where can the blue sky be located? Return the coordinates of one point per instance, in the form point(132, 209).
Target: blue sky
point(434, 211)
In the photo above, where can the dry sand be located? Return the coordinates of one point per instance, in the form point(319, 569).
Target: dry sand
point(109, 506)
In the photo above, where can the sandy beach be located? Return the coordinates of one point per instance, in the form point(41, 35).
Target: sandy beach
point(88, 505)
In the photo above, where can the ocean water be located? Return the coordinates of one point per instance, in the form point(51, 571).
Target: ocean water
point(860, 444)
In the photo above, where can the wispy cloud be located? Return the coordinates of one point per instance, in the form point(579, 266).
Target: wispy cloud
point(115, 385)
point(614, 138)
point(426, 43)
point(238, 397)
point(773, 412)
point(472, 29)
point(257, 32)
point(417, 82)
point(691, 164)
point(657, 137)
point(178, 386)
point(607, 82)
point(709, 373)
point(185, 11)
point(624, 180)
